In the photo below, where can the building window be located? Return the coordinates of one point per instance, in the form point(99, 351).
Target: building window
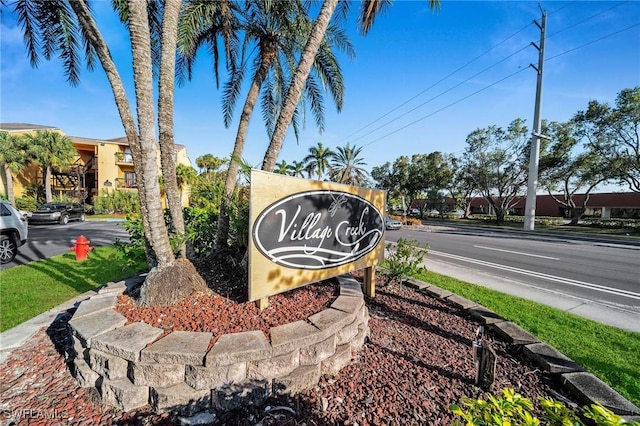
point(130, 180)
point(128, 158)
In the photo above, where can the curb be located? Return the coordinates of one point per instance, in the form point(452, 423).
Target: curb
point(585, 387)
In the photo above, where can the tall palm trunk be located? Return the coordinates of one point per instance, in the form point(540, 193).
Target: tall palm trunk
point(122, 103)
point(47, 184)
point(297, 84)
point(166, 86)
point(143, 82)
point(8, 177)
point(222, 233)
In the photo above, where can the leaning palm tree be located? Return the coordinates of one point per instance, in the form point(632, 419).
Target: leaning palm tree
point(318, 160)
point(346, 166)
point(13, 157)
point(51, 150)
point(369, 11)
point(276, 32)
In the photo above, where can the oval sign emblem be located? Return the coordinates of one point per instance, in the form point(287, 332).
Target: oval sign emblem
point(318, 229)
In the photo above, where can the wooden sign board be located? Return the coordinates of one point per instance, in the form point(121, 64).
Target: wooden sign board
point(303, 231)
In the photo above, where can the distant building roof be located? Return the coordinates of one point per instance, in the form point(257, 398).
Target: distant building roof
point(18, 127)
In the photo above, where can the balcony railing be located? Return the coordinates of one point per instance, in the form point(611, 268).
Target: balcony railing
point(124, 158)
point(126, 184)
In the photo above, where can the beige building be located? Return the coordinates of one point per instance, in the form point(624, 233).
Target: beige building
point(100, 164)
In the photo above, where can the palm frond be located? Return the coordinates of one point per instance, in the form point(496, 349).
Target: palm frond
point(314, 93)
point(26, 13)
point(230, 95)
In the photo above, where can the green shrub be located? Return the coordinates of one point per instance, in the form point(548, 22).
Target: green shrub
point(133, 251)
point(405, 259)
point(239, 223)
point(201, 225)
point(28, 204)
point(124, 202)
point(513, 409)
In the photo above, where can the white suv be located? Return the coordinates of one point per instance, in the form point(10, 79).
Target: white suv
point(13, 231)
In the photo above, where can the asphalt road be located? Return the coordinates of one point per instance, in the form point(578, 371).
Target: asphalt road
point(45, 241)
point(601, 273)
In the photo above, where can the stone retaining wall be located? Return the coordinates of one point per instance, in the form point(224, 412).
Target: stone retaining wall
point(131, 367)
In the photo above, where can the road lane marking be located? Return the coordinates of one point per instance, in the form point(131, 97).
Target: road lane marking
point(567, 281)
point(518, 252)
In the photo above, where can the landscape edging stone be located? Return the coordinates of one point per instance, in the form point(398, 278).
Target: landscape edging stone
point(577, 383)
point(239, 367)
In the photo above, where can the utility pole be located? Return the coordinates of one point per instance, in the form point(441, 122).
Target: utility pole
point(536, 135)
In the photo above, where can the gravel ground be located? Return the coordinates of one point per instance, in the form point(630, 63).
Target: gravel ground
point(416, 362)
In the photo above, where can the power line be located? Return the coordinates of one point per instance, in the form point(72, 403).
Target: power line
point(475, 75)
point(474, 93)
point(593, 41)
point(437, 82)
point(586, 19)
point(441, 93)
point(499, 81)
point(446, 106)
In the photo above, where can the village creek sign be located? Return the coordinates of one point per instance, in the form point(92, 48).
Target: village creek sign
point(318, 229)
point(304, 231)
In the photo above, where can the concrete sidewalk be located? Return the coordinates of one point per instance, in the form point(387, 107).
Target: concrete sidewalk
point(622, 317)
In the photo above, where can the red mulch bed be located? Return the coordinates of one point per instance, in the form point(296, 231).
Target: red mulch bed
point(416, 363)
point(220, 315)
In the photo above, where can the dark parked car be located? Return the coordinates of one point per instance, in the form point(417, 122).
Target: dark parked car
point(57, 212)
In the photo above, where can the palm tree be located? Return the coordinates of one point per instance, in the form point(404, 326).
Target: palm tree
point(185, 176)
point(208, 163)
point(51, 150)
point(346, 166)
point(68, 26)
point(276, 30)
point(13, 157)
point(282, 168)
point(369, 11)
point(318, 160)
point(297, 169)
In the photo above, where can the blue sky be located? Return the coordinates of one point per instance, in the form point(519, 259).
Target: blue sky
point(421, 81)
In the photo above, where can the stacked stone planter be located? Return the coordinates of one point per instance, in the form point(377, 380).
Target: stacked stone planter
point(131, 366)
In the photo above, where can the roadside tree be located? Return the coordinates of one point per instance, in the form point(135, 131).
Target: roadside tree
point(614, 132)
point(566, 168)
point(497, 161)
point(461, 186)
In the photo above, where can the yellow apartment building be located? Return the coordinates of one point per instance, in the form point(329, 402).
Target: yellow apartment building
point(100, 164)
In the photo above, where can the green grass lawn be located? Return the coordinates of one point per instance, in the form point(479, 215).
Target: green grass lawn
point(34, 288)
point(612, 354)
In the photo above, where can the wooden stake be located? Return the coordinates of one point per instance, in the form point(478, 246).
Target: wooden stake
point(370, 281)
point(262, 303)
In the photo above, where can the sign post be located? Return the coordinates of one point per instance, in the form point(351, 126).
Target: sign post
point(370, 281)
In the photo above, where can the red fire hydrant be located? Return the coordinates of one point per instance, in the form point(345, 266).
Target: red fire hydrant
point(81, 248)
